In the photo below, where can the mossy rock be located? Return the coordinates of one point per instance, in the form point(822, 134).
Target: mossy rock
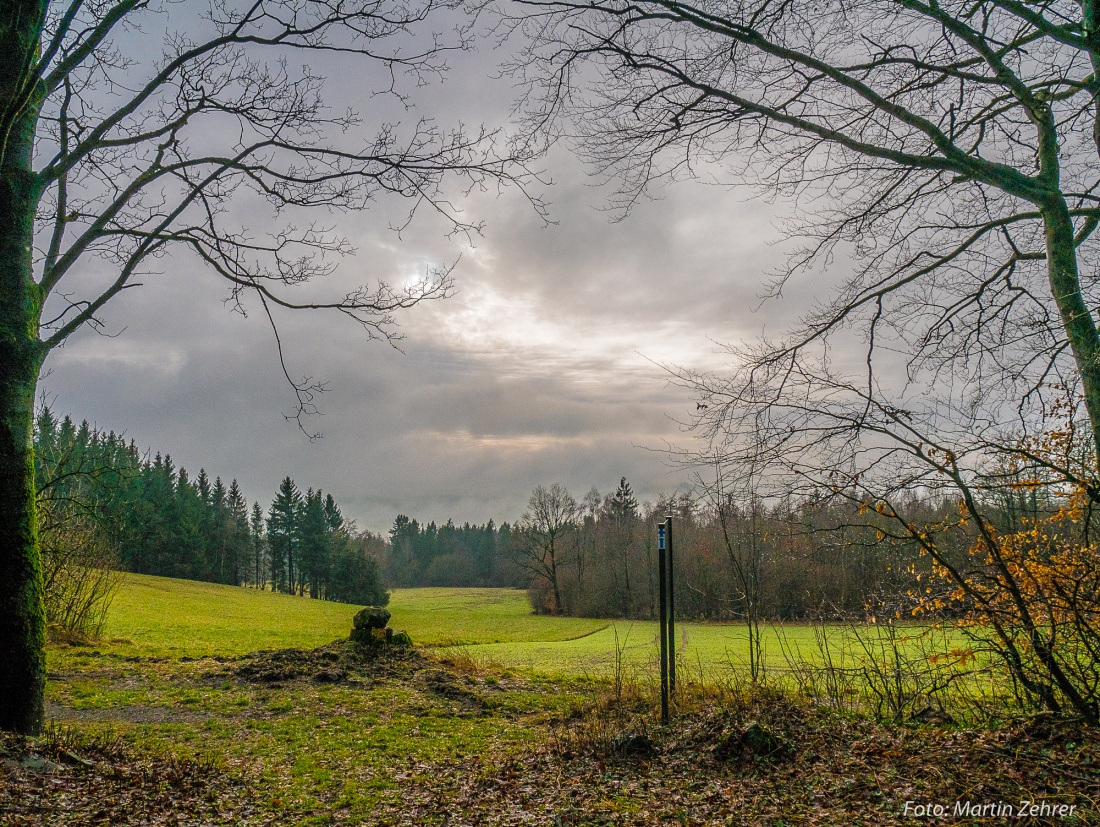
point(372, 617)
point(401, 638)
point(370, 637)
point(759, 740)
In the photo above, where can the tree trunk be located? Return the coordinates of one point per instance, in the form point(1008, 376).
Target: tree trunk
point(1062, 267)
point(22, 615)
point(554, 578)
point(1065, 285)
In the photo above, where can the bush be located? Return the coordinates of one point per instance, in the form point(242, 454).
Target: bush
point(79, 572)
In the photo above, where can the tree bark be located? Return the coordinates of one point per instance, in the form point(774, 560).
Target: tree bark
point(1065, 285)
point(22, 615)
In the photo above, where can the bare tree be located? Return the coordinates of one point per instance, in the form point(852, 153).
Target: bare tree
point(1027, 584)
point(116, 151)
point(742, 539)
point(546, 525)
point(948, 152)
point(949, 149)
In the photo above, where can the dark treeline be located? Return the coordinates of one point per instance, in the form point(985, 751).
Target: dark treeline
point(594, 557)
point(450, 555)
point(598, 557)
point(159, 520)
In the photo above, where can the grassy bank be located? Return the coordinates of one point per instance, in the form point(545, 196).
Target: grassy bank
point(162, 616)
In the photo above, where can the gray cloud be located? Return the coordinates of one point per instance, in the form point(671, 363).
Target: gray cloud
point(544, 367)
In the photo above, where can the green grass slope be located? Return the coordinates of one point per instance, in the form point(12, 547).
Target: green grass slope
point(439, 617)
point(162, 616)
point(151, 728)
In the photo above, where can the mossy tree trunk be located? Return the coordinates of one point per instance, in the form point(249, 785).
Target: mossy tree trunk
point(22, 617)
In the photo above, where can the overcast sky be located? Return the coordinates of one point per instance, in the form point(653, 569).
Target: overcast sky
point(543, 368)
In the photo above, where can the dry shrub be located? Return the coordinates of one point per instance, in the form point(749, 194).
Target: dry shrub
point(79, 572)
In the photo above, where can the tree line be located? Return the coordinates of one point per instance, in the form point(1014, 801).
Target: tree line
point(598, 557)
point(746, 557)
point(1001, 554)
point(738, 557)
point(450, 555)
point(152, 517)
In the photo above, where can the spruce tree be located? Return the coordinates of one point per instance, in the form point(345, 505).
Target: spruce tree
point(259, 546)
point(218, 539)
point(283, 523)
point(239, 539)
point(316, 543)
point(333, 514)
point(189, 542)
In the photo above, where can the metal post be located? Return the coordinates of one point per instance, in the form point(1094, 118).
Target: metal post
point(662, 612)
point(671, 609)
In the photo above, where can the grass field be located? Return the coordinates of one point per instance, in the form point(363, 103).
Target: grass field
point(167, 617)
point(163, 616)
point(170, 721)
point(165, 679)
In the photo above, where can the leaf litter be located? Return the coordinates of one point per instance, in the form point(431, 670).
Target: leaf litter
point(758, 759)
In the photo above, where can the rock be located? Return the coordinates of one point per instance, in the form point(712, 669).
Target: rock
point(370, 629)
point(372, 617)
point(759, 740)
point(367, 636)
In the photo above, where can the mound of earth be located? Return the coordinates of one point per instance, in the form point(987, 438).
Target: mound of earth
point(337, 662)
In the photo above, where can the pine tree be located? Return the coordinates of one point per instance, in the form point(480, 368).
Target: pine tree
point(218, 539)
point(316, 543)
point(404, 539)
point(190, 553)
point(283, 535)
point(239, 538)
point(623, 507)
point(259, 546)
point(202, 485)
point(332, 514)
point(622, 515)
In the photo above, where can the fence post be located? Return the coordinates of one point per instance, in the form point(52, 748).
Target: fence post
point(662, 614)
point(671, 610)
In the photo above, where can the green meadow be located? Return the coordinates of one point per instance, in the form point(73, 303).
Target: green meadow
point(215, 705)
point(165, 681)
point(164, 616)
point(167, 617)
